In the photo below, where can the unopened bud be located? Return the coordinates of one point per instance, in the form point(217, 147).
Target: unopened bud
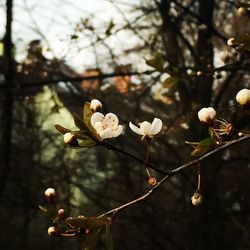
point(61, 213)
point(207, 115)
point(152, 181)
point(80, 216)
point(52, 231)
point(240, 134)
point(69, 138)
point(241, 11)
point(243, 97)
point(230, 42)
point(196, 198)
point(50, 193)
point(95, 105)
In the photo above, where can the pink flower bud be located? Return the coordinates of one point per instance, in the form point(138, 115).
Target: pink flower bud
point(61, 213)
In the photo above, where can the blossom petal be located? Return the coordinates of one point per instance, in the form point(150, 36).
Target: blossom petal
point(135, 129)
point(96, 117)
point(146, 128)
point(111, 120)
point(98, 127)
point(156, 126)
point(117, 131)
point(106, 133)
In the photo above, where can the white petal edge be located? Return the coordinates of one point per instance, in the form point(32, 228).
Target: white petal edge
point(96, 117)
point(117, 131)
point(156, 126)
point(135, 129)
point(106, 133)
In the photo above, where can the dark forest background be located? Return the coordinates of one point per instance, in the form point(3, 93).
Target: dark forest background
point(41, 89)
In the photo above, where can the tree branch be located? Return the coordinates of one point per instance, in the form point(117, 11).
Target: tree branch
point(171, 173)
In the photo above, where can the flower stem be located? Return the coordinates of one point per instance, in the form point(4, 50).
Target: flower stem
point(146, 159)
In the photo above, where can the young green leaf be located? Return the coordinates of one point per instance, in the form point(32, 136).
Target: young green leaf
point(91, 240)
point(87, 113)
point(79, 122)
point(87, 143)
point(170, 82)
point(91, 223)
point(61, 129)
point(156, 62)
point(108, 238)
point(204, 146)
point(49, 212)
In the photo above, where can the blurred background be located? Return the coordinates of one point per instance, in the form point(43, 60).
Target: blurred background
point(56, 55)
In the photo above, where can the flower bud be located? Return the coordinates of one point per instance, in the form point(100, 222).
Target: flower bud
point(152, 181)
point(52, 231)
point(230, 42)
point(207, 115)
point(241, 11)
point(69, 138)
point(196, 198)
point(243, 97)
point(81, 216)
point(50, 193)
point(95, 105)
point(61, 213)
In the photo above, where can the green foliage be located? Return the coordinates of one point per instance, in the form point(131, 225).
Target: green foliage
point(48, 212)
point(156, 62)
point(108, 239)
point(61, 129)
point(87, 134)
point(96, 228)
point(203, 147)
point(91, 240)
point(79, 122)
point(92, 223)
point(87, 113)
point(170, 81)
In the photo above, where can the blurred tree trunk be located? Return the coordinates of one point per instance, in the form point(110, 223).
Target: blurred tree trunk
point(7, 105)
point(205, 51)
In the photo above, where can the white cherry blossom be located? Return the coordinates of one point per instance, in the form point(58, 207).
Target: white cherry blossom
point(106, 126)
point(207, 115)
point(95, 105)
point(146, 128)
point(243, 97)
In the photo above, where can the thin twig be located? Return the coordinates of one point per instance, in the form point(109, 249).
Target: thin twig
point(179, 169)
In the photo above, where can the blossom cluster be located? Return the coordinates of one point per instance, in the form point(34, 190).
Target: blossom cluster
point(107, 126)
